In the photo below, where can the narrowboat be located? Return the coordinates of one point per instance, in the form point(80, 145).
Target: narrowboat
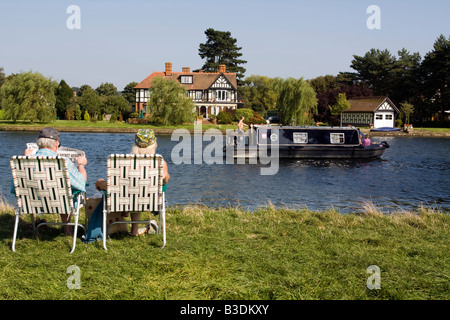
point(301, 142)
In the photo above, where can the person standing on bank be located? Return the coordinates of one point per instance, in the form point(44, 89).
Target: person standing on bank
point(48, 141)
point(241, 125)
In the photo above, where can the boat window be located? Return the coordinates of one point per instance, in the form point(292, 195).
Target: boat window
point(300, 137)
point(337, 138)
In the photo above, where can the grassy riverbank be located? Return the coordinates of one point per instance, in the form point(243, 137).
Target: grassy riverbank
point(234, 254)
point(106, 126)
point(102, 126)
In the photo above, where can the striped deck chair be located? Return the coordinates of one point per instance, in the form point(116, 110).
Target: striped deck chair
point(134, 184)
point(42, 186)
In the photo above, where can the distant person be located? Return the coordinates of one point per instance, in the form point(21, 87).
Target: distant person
point(241, 125)
point(366, 141)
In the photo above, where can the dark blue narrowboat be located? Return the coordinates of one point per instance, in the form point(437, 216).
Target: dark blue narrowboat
point(302, 142)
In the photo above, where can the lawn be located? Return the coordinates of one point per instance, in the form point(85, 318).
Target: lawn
point(233, 254)
point(64, 125)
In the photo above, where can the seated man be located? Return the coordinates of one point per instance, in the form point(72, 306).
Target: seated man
point(48, 142)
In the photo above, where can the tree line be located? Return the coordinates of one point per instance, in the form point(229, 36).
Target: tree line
point(30, 96)
point(419, 86)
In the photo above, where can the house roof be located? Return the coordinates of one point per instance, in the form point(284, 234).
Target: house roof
point(201, 80)
point(369, 104)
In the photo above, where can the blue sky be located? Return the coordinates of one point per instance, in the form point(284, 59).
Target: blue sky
point(124, 41)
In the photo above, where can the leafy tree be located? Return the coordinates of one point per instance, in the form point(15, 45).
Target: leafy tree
point(404, 77)
point(130, 94)
point(115, 105)
point(244, 112)
point(82, 89)
point(341, 105)
point(29, 96)
point(220, 48)
point(106, 89)
point(375, 69)
point(296, 102)
point(407, 109)
point(2, 80)
point(258, 93)
point(169, 103)
point(328, 88)
point(63, 94)
point(73, 109)
point(323, 84)
point(435, 72)
point(90, 102)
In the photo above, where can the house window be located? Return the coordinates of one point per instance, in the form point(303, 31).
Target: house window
point(378, 117)
point(222, 95)
point(186, 79)
point(337, 138)
point(198, 95)
point(388, 117)
point(300, 137)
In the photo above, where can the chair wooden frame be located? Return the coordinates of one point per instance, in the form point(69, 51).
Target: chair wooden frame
point(42, 186)
point(134, 184)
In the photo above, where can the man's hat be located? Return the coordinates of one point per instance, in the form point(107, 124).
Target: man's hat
point(49, 133)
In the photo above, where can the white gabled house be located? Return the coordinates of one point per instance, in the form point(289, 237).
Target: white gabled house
point(211, 92)
point(377, 111)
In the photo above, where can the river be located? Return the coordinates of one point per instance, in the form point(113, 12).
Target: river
point(413, 172)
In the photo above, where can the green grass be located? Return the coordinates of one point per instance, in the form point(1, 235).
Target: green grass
point(80, 124)
point(229, 253)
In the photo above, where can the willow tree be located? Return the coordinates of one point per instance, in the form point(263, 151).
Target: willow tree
point(29, 96)
point(168, 102)
point(297, 101)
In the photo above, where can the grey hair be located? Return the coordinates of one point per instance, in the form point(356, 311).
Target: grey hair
point(149, 150)
point(46, 143)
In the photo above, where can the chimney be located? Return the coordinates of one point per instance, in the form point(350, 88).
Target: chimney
point(186, 70)
point(168, 68)
point(222, 68)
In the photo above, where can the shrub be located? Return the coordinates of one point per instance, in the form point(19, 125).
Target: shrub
point(87, 117)
point(245, 112)
point(224, 117)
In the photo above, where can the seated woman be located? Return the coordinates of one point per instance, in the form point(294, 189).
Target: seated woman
point(366, 141)
point(144, 143)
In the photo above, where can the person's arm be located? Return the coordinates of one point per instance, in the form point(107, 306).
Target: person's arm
point(166, 175)
point(101, 185)
point(81, 163)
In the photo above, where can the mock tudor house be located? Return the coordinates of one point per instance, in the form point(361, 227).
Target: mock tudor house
point(211, 92)
point(377, 111)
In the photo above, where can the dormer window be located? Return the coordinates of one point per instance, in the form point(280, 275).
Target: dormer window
point(186, 79)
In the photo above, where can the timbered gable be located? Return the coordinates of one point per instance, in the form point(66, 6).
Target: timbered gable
point(222, 82)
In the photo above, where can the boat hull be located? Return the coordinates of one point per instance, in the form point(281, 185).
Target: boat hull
point(311, 152)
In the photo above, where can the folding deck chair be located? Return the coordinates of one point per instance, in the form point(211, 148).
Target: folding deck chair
point(134, 184)
point(42, 186)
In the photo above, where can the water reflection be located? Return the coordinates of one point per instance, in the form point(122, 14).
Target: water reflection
point(412, 172)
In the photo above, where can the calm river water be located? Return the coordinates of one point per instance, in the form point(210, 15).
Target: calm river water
point(412, 172)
